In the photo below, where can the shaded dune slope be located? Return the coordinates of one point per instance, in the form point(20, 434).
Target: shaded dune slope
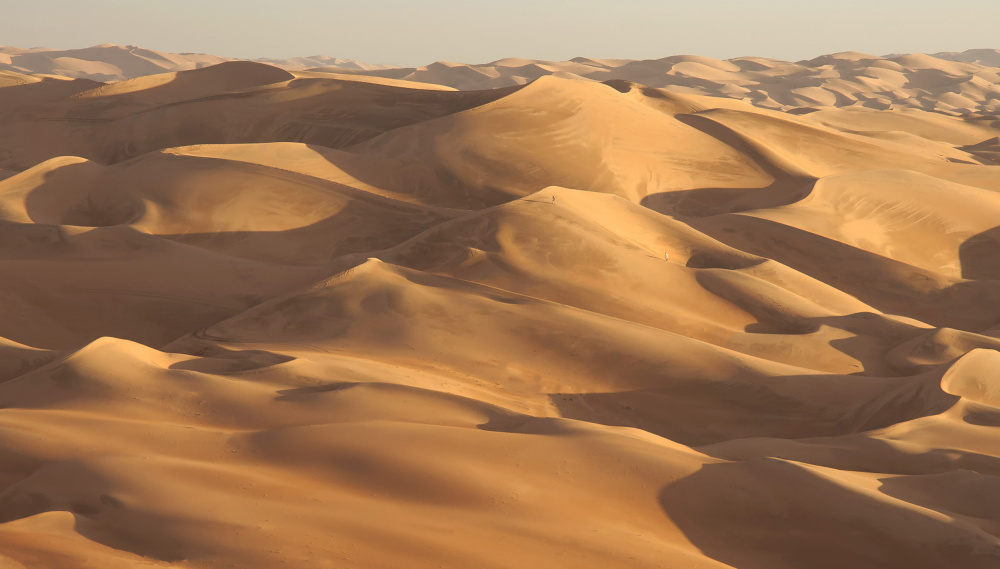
point(253, 318)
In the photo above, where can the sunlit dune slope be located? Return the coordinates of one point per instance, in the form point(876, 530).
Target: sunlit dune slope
point(255, 317)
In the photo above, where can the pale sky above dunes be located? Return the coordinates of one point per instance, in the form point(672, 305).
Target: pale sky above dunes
point(407, 32)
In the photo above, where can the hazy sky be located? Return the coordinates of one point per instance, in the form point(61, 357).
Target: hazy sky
point(412, 32)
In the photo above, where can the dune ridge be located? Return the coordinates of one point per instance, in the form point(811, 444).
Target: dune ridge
point(260, 316)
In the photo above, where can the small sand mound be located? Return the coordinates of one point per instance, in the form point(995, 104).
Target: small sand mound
point(974, 377)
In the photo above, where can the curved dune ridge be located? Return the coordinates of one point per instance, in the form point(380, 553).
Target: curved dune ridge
point(256, 317)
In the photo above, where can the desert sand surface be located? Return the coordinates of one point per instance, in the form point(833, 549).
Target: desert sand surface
point(253, 316)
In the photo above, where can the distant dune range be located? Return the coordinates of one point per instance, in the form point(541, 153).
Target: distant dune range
point(950, 83)
point(257, 316)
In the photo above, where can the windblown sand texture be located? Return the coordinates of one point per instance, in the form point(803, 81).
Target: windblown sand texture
point(260, 318)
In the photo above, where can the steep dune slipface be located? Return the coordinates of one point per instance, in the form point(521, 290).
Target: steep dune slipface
point(249, 318)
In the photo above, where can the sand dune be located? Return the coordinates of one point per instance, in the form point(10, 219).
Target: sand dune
point(8, 78)
point(260, 316)
point(106, 62)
